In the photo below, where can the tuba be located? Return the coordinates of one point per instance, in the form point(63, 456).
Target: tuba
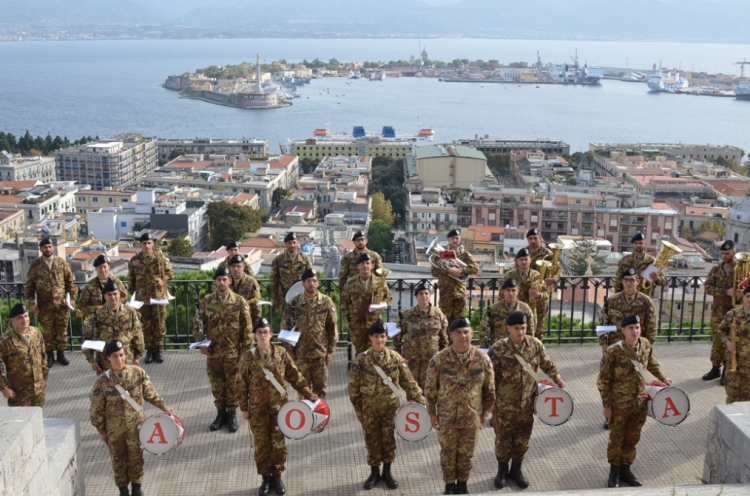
point(547, 268)
point(661, 261)
point(740, 273)
point(443, 262)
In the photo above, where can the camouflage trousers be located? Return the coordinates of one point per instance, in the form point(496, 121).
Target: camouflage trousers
point(456, 452)
point(54, 322)
point(452, 305)
point(512, 434)
point(222, 374)
point(315, 372)
point(718, 348)
point(380, 437)
point(738, 384)
point(270, 448)
point(625, 432)
point(418, 368)
point(27, 400)
point(127, 458)
point(359, 339)
point(154, 322)
point(542, 309)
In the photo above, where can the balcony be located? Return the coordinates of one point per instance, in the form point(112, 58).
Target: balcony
point(632, 221)
point(555, 216)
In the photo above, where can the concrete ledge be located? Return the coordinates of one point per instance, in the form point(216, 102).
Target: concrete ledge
point(23, 461)
point(727, 458)
point(63, 440)
point(705, 490)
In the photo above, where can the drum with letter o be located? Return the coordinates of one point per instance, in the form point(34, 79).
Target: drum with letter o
point(161, 433)
point(298, 418)
point(553, 405)
point(412, 422)
point(667, 405)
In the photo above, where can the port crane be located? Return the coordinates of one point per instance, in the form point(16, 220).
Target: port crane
point(742, 67)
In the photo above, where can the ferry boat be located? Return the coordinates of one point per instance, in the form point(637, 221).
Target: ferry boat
point(667, 82)
point(742, 90)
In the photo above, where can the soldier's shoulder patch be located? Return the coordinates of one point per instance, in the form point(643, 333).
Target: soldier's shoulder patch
point(97, 392)
point(403, 364)
point(432, 363)
point(354, 367)
point(247, 308)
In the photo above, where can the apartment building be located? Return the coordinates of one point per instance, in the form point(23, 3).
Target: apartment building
point(446, 166)
point(429, 213)
point(91, 199)
point(17, 168)
point(212, 146)
point(685, 150)
point(487, 144)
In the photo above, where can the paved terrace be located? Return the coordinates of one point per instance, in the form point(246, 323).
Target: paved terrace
point(568, 457)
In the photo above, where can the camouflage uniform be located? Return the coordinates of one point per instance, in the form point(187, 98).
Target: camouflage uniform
point(719, 280)
point(248, 288)
point(738, 382)
point(315, 319)
point(527, 280)
point(515, 393)
point(619, 384)
point(349, 264)
point(106, 325)
point(227, 324)
point(225, 263)
point(542, 306)
point(639, 264)
point(618, 306)
point(423, 333)
point(92, 297)
point(141, 275)
point(452, 292)
point(459, 390)
point(355, 303)
point(49, 286)
point(25, 367)
point(377, 404)
point(261, 399)
point(113, 416)
point(286, 270)
point(492, 326)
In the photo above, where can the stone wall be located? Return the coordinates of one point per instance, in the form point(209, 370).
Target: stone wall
point(728, 446)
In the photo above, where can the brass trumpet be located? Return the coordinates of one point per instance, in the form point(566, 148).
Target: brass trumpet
point(740, 273)
point(661, 261)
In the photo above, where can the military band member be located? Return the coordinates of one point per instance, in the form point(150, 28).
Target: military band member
point(624, 396)
point(349, 261)
point(452, 292)
point(260, 402)
point(639, 260)
point(629, 301)
point(531, 290)
point(719, 284)
point(114, 321)
point(738, 382)
point(515, 392)
point(538, 252)
point(424, 332)
point(286, 270)
point(460, 393)
point(225, 318)
point(492, 327)
point(375, 404)
point(92, 296)
point(117, 420)
point(233, 249)
point(245, 285)
point(314, 316)
point(23, 368)
point(48, 280)
point(148, 275)
point(359, 293)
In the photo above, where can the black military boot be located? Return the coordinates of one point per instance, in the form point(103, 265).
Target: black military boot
point(265, 487)
point(627, 476)
point(278, 484)
point(158, 357)
point(221, 418)
point(712, 374)
point(390, 481)
point(722, 381)
point(50, 359)
point(614, 476)
point(136, 490)
point(461, 487)
point(373, 479)
point(517, 475)
point(450, 488)
point(232, 421)
point(501, 479)
point(606, 425)
point(61, 358)
point(124, 491)
point(149, 355)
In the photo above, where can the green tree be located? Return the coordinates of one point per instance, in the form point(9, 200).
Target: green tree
point(382, 209)
point(388, 178)
point(583, 256)
point(278, 195)
point(180, 247)
point(229, 222)
point(380, 237)
point(307, 165)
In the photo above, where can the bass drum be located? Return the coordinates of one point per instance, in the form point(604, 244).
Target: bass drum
point(296, 419)
point(668, 405)
point(161, 433)
point(553, 405)
point(412, 422)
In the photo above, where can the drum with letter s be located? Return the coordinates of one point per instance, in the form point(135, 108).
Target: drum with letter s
point(553, 405)
point(298, 418)
point(412, 421)
point(161, 433)
point(667, 405)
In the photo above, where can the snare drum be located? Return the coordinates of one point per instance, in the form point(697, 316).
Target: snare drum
point(298, 418)
point(412, 422)
point(667, 405)
point(161, 433)
point(553, 405)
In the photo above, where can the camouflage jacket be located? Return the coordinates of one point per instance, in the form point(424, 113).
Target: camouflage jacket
point(423, 333)
point(124, 324)
point(617, 308)
point(446, 283)
point(720, 279)
point(225, 263)
point(367, 391)
point(50, 285)
point(619, 382)
point(460, 394)
point(515, 389)
point(256, 393)
point(356, 300)
point(742, 319)
point(91, 295)
point(285, 271)
point(144, 271)
point(227, 324)
point(25, 366)
point(639, 264)
point(525, 282)
point(112, 415)
point(543, 253)
point(248, 288)
point(349, 264)
point(492, 327)
point(316, 320)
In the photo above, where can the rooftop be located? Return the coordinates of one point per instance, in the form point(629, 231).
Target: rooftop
point(436, 151)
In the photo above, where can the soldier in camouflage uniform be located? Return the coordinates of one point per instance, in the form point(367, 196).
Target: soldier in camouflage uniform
point(224, 318)
point(492, 326)
point(349, 261)
point(738, 382)
point(539, 253)
point(48, 280)
point(91, 294)
point(624, 396)
point(245, 285)
point(719, 285)
point(515, 392)
point(117, 421)
point(23, 368)
point(111, 321)
point(452, 292)
point(314, 316)
point(148, 275)
point(639, 260)
point(233, 249)
point(424, 332)
point(375, 404)
point(359, 293)
point(286, 270)
point(460, 394)
point(260, 402)
point(628, 302)
point(531, 290)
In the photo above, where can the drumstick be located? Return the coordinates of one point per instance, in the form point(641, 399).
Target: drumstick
point(250, 432)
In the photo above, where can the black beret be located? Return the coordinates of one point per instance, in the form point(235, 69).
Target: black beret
point(308, 273)
point(233, 244)
point(638, 237)
point(453, 232)
point(509, 283)
point(460, 323)
point(358, 234)
point(236, 259)
point(728, 245)
point(110, 286)
point(18, 309)
point(523, 252)
point(630, 272)
point(290, 237)
point(45, 241)
point(516, 318)
point(747, 288)
point(363, 258)
point(101, 259)
point(378, 327)
point(630, 320)
point(146, 237)
point(532, 232)
point(422, 286)
point(222, 271)
point(261, 323)
point(112, 347)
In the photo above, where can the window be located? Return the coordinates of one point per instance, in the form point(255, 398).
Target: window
point(124, 224)
point(96, 199)
point(437, 217)
point(495, 236)
point(736, 237)
point(110, 199)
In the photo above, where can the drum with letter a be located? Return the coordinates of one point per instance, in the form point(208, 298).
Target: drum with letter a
point(412, 422)
point(553, 405)
point(298, 418)
point(160, 433)
point(667, 405)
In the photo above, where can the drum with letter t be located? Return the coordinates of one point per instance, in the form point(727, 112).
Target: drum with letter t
point(161, 433)
point(298, 418)
point(412, 421)
point(553, 405)
point(667, 405)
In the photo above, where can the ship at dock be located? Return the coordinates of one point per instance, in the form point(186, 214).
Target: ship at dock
point(742, 90)
point(575, 74)
point(667, 82)
point(358, 143)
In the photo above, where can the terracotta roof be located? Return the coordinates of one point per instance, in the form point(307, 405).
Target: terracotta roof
point(19, 184)
point(87, 255)
point(11, 199)
point(240, 198)
point(484, 233)
point(6, 214)
point(260, 243)
point(711, 236)
point(282, 162)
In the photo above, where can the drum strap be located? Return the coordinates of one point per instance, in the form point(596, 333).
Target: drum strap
point(271, 378)
point(388, 381)
point(126, 396)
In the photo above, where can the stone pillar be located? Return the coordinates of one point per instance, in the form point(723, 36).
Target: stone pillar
point(728, 446)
